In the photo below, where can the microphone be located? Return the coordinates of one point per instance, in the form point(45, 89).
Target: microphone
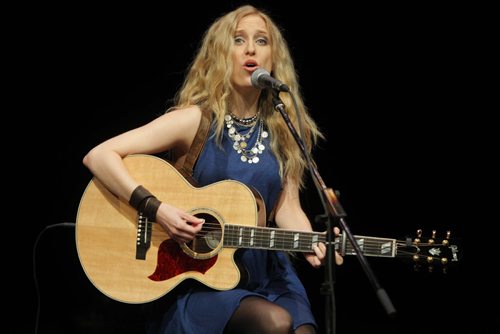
point(262, 79)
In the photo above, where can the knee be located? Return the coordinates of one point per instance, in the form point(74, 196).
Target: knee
point(280, 321)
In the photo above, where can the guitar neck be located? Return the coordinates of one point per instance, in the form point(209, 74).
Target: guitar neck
point(239, 236)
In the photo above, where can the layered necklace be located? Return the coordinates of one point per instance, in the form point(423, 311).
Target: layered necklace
point(240, 141)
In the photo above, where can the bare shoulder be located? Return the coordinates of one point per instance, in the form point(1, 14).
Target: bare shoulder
point(189, 116)
point(177, 128)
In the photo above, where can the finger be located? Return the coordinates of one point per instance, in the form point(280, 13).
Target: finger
point(322, 248)
point(338, 259)
point(313, 260)
point(320, 251)
point(192, 219)
point(336, 230)
point(188, 227)
point(196, 228)
point(182, 231)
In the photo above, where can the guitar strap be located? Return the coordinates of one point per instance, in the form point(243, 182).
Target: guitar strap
point(185, 164)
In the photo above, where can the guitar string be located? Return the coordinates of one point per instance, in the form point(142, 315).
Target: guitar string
point(373, 246)
point(288, 237)
point(368, 248)
point(305, 245)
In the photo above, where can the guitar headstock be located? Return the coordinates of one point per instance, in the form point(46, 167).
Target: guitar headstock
point(430, 251)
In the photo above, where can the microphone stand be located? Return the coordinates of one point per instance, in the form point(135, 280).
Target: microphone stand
point(334, 209)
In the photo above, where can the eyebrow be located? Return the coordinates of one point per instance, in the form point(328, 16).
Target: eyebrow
point(259, 32)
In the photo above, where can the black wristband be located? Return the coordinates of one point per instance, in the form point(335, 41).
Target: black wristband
point(138, 196)
point(150, 208)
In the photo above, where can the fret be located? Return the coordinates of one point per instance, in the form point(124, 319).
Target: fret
point(386, 248)
point(306, 241)
point(281, 239)
point(314, 240)
point(242, 236)
point(252, 236)
point(296, 238)
point(257, 239)
point(228, 235)
point(338, 242)
point(265, 238)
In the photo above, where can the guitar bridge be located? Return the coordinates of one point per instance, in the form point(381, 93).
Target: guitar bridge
point(143, 239)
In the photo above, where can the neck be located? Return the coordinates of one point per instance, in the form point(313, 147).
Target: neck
point(244, 106)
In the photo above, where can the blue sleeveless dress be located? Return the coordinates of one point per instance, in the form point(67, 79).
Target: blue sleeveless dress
point(271, 274)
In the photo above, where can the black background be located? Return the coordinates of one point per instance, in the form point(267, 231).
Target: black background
point(385, 84)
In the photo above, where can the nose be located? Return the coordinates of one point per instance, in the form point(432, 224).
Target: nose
point(250, 48)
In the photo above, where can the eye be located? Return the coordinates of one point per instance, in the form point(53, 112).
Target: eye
point(238, 40)
point(261, 41)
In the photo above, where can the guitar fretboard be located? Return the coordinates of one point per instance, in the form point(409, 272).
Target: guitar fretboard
point(239, 236)
point(270, 238)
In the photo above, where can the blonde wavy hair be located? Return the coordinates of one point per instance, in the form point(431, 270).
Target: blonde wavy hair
point(208, 85)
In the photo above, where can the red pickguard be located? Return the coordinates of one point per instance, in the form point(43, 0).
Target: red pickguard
point(172, 261)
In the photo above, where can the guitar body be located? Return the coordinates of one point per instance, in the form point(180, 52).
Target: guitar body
point(107, 232)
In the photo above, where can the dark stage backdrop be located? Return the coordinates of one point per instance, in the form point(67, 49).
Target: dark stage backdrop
point(380, 81)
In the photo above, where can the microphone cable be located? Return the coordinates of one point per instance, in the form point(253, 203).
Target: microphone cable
point(37, 288)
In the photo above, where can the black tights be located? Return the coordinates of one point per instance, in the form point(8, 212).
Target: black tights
point(257, 315)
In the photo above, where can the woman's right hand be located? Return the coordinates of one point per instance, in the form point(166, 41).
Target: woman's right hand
point(179, 225)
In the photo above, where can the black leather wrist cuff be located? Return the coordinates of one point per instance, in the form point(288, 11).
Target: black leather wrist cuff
point(138, 196)
point(150, 208)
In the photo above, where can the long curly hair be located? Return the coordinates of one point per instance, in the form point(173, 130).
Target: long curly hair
point(208, 85)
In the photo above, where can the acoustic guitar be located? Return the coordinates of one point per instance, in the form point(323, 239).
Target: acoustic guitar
point(133, 260)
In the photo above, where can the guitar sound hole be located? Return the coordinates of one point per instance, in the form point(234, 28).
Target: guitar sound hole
point(209, 237)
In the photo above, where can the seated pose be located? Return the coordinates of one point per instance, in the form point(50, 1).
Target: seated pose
point(247, 141)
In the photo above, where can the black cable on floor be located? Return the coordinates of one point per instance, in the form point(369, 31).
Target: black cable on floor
point(34, 267)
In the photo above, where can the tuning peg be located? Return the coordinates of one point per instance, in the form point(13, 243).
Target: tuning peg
point(419, 235)
point(430, 259)
point(448, 233)
point(433, 236)
point(444, 261)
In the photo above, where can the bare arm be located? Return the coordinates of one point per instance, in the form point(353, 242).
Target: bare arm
point(175, 129)
point(290, 215)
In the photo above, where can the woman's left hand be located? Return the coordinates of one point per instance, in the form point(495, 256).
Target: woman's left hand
point(317, 259)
